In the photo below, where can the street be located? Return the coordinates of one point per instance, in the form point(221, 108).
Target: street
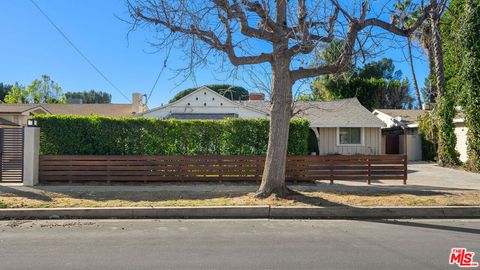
point(234, 244)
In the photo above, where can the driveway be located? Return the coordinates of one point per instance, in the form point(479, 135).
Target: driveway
point(432, 175)
point(421, 176)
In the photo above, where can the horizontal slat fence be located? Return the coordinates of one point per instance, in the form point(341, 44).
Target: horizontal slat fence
point(11, 155)
point(218, 168)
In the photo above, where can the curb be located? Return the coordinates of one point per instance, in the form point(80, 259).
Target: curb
point(241, 212)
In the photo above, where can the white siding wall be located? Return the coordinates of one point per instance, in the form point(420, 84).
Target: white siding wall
point(328, 143)
point(205, 102)
point(16, 118)
point(461, 133)
point(414, 146)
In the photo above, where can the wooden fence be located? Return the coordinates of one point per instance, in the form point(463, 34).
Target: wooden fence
point(218, 168)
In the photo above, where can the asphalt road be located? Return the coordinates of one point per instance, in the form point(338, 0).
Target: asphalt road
point(234, 244)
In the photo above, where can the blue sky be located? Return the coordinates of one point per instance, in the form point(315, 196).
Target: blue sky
point(31, 47)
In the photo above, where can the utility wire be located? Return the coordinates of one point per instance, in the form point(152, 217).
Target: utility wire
point(78, 50)
point(159, 75)
point(156, 81)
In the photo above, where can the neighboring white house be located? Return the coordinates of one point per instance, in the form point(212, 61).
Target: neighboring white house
point(398, 123)
point(204, 103)
point(340, 127)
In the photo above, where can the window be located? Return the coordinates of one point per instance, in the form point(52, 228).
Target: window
point(348, 136)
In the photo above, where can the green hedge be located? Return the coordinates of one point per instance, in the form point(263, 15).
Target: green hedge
point(94, 135)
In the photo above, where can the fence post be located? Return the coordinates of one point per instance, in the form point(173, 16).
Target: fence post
point(331, 171)
point(31, 152)
point(369, 176)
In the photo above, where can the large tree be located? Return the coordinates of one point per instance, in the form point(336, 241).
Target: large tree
point(288, 31)
point(43, 90)
point(91, 97)
point(376, 85)
point(405, 15)
point(4, 90)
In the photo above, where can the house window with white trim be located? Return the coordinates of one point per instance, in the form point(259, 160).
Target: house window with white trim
point(349, 136)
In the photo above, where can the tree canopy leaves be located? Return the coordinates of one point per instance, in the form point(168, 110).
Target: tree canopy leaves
point(376, 85)
point(91, 97)
point(42, 90)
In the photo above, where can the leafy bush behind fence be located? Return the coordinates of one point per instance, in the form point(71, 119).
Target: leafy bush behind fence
point(95, 135)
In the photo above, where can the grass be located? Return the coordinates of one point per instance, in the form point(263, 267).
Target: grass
point(44, 199)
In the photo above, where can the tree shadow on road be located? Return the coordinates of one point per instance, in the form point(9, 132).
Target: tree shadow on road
point(428, 226)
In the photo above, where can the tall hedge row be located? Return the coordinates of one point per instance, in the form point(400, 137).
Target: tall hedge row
point(94, 135)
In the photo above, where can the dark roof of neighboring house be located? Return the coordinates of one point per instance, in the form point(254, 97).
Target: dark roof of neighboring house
point(338, 113)
point(5, 122)
point(113, 110)
point(406, 116)
point(202, 116)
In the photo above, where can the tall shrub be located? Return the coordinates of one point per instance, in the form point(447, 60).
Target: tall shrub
point(447, 140)
point(94, 135)
point(470, 77)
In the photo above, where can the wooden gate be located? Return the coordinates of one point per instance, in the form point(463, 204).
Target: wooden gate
point(11, 155)
point(392, 144)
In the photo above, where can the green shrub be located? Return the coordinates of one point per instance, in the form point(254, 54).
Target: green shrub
point(94, 135)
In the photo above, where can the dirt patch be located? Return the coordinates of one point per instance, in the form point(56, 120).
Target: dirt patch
point(219, 198)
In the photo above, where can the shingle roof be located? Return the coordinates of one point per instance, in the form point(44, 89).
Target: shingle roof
point(339, 113)
point(406, 116)
point(113, 110)
point(17, 108)
point(202, 116)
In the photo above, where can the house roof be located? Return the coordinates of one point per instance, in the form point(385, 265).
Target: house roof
point(202, 116)
point(113, 110)
point(339, 113)
point(225, 100)
point(406, 116)
point(19, 108)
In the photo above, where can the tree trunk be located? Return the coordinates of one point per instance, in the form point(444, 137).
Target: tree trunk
point(273, 178)
point(438, 52)
point(431, 65)
point(414, 76)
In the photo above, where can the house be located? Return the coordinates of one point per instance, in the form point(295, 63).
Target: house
point(342, 127)
point(16, 115)
point(398, 124)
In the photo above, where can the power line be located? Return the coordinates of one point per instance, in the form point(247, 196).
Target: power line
point(156, 81)
point(159, 74)
point(78, 50)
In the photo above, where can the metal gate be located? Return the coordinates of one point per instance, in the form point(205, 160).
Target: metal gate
point(11, 155)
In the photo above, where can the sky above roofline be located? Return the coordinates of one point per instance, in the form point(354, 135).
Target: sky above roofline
point(32, 46)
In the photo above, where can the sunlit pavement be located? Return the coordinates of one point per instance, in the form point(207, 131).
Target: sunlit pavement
point(234, 244)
